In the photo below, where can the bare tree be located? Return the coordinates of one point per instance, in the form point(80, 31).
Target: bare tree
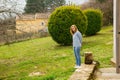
point(12, 6)
point(8, 10)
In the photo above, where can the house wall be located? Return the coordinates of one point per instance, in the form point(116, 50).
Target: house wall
point(118, 37)
point(30, 25)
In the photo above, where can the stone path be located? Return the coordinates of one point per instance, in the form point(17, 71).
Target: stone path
point(83, 73)
point(89, 72)
point(107, 74)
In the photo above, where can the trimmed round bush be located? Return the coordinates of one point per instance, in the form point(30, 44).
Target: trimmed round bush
point(61, 20)
point(94, 17)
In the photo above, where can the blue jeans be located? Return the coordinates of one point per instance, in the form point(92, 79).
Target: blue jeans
point(77, 55)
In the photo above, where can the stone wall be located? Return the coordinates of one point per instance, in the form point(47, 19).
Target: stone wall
point(7, 28)
point(27, 26)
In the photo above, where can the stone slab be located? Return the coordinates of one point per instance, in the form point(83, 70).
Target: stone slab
point(107, 74)
point(83, 73)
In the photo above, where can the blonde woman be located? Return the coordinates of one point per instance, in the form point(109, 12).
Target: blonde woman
point(77, 43)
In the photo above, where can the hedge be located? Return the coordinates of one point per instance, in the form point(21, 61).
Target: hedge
point(94, 17)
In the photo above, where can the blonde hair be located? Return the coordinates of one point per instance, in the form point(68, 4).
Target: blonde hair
point(71, 31)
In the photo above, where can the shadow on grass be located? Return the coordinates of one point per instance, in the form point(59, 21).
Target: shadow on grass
point(97, 34)
point(62, 46)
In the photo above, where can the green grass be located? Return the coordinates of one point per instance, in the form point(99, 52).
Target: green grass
point(53, 61)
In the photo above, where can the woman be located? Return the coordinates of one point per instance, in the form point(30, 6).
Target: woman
point(77, 43)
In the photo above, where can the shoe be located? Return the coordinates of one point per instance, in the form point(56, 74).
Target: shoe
point(77, 67)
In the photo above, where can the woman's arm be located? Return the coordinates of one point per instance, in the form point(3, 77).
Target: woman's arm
point(80, 37)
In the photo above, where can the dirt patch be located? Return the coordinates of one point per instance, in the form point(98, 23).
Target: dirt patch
point(36, 74)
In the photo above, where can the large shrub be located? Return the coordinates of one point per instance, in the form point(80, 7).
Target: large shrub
point(94, 17)
point(61, 20)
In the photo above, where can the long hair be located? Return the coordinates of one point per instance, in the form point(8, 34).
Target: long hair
point(71, 31)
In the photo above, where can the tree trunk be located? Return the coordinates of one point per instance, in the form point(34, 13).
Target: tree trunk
point(88, 58)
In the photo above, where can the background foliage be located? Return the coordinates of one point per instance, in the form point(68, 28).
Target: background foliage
point(34, 6)
point(106, 6)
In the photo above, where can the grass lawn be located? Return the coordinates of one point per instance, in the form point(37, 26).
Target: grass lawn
point(52, 61)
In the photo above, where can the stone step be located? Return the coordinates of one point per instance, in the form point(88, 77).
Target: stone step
point(83, 73)
point(107, 74)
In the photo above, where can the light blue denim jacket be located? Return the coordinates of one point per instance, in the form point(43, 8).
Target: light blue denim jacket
point(77, 39)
